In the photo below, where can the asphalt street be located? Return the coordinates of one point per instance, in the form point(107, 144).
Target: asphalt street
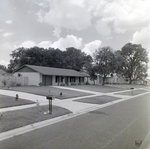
point(117, 126)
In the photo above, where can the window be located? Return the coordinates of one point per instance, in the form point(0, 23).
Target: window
point(72, 79)
point(62, 78)
point(57, 79)
point(81, 79)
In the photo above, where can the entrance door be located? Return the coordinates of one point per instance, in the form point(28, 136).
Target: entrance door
point(48, 80)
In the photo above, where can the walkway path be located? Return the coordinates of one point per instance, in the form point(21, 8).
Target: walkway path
point(69, 104)
point(77, 108)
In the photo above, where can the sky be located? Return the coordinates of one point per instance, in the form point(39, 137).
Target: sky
point(83, 24)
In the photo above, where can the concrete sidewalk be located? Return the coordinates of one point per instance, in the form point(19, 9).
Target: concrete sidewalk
point(69, 104)
point(77, 108)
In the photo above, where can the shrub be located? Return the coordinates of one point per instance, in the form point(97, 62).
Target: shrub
point(87, 83)
point(40, 84)
point(13, 83)
point(18, 84)
point(4, 82)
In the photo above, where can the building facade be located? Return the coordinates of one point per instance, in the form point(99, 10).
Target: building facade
point(39, 75)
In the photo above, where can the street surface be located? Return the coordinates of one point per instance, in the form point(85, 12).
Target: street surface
point(117, 126)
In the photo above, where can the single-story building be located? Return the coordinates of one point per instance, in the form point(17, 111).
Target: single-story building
point(116, 79)
point(40, 75)
point(110, 79)
point(2, 72)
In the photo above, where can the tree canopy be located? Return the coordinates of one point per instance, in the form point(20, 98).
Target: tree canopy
point(134, 62)
point(3, 67)
point(131, 61)
point(72, 58)
point(104, 61)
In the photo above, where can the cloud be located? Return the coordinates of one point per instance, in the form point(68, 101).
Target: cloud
point(40, 14)
point(3, 62)
point(69, 41)
point(62, 43)
point(66, 14)
point(45, 44)
point(103, 28)
point(124, 14)
point(57, 32)
point(6, 50)
point(142, 37)
point(109, 16)
point(92, 46)
point(7, 34)
point(28, 44)
point(8, 22)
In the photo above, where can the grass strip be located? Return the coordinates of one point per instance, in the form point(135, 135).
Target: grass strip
point(132, 92)
point(19, 118)
point(7, 101)
point(98, 100)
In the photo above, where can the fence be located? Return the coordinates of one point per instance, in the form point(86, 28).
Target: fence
point(9, 81)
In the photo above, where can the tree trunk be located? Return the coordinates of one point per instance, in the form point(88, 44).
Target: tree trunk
point(130, 81)
point(103, 80)
point(94, 82)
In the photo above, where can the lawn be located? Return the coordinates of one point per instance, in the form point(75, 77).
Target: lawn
point(7, 101)
point(46, 90)
point(98, 100)
point(133, 92)
point(19, 118)
point(98, 88)
point(108, 88)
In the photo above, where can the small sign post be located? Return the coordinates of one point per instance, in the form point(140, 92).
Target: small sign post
point(50, 98)
point(132, 91)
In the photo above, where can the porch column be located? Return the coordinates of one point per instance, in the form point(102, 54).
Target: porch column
point(77, 80)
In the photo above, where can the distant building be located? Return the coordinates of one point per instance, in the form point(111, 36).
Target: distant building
point(111, 79)
point(116, 79)
point(39, 75)
point(2, 72)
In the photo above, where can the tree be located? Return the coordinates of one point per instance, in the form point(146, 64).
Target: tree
point(3, 67)
point(134, 63)
point(75, 59)
point(71, 58)
point(22, 56)
point(104, 62)
point(91, 70)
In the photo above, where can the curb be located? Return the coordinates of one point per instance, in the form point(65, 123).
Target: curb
point(31, 127)
point(38, 125)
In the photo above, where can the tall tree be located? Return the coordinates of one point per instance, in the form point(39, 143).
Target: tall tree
point(104, 62)
point(21, 56)
point(91, 70)
point(18, 56)
point(135, 62)
point(75, 59)
point(3, 67)
point(71, 58)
